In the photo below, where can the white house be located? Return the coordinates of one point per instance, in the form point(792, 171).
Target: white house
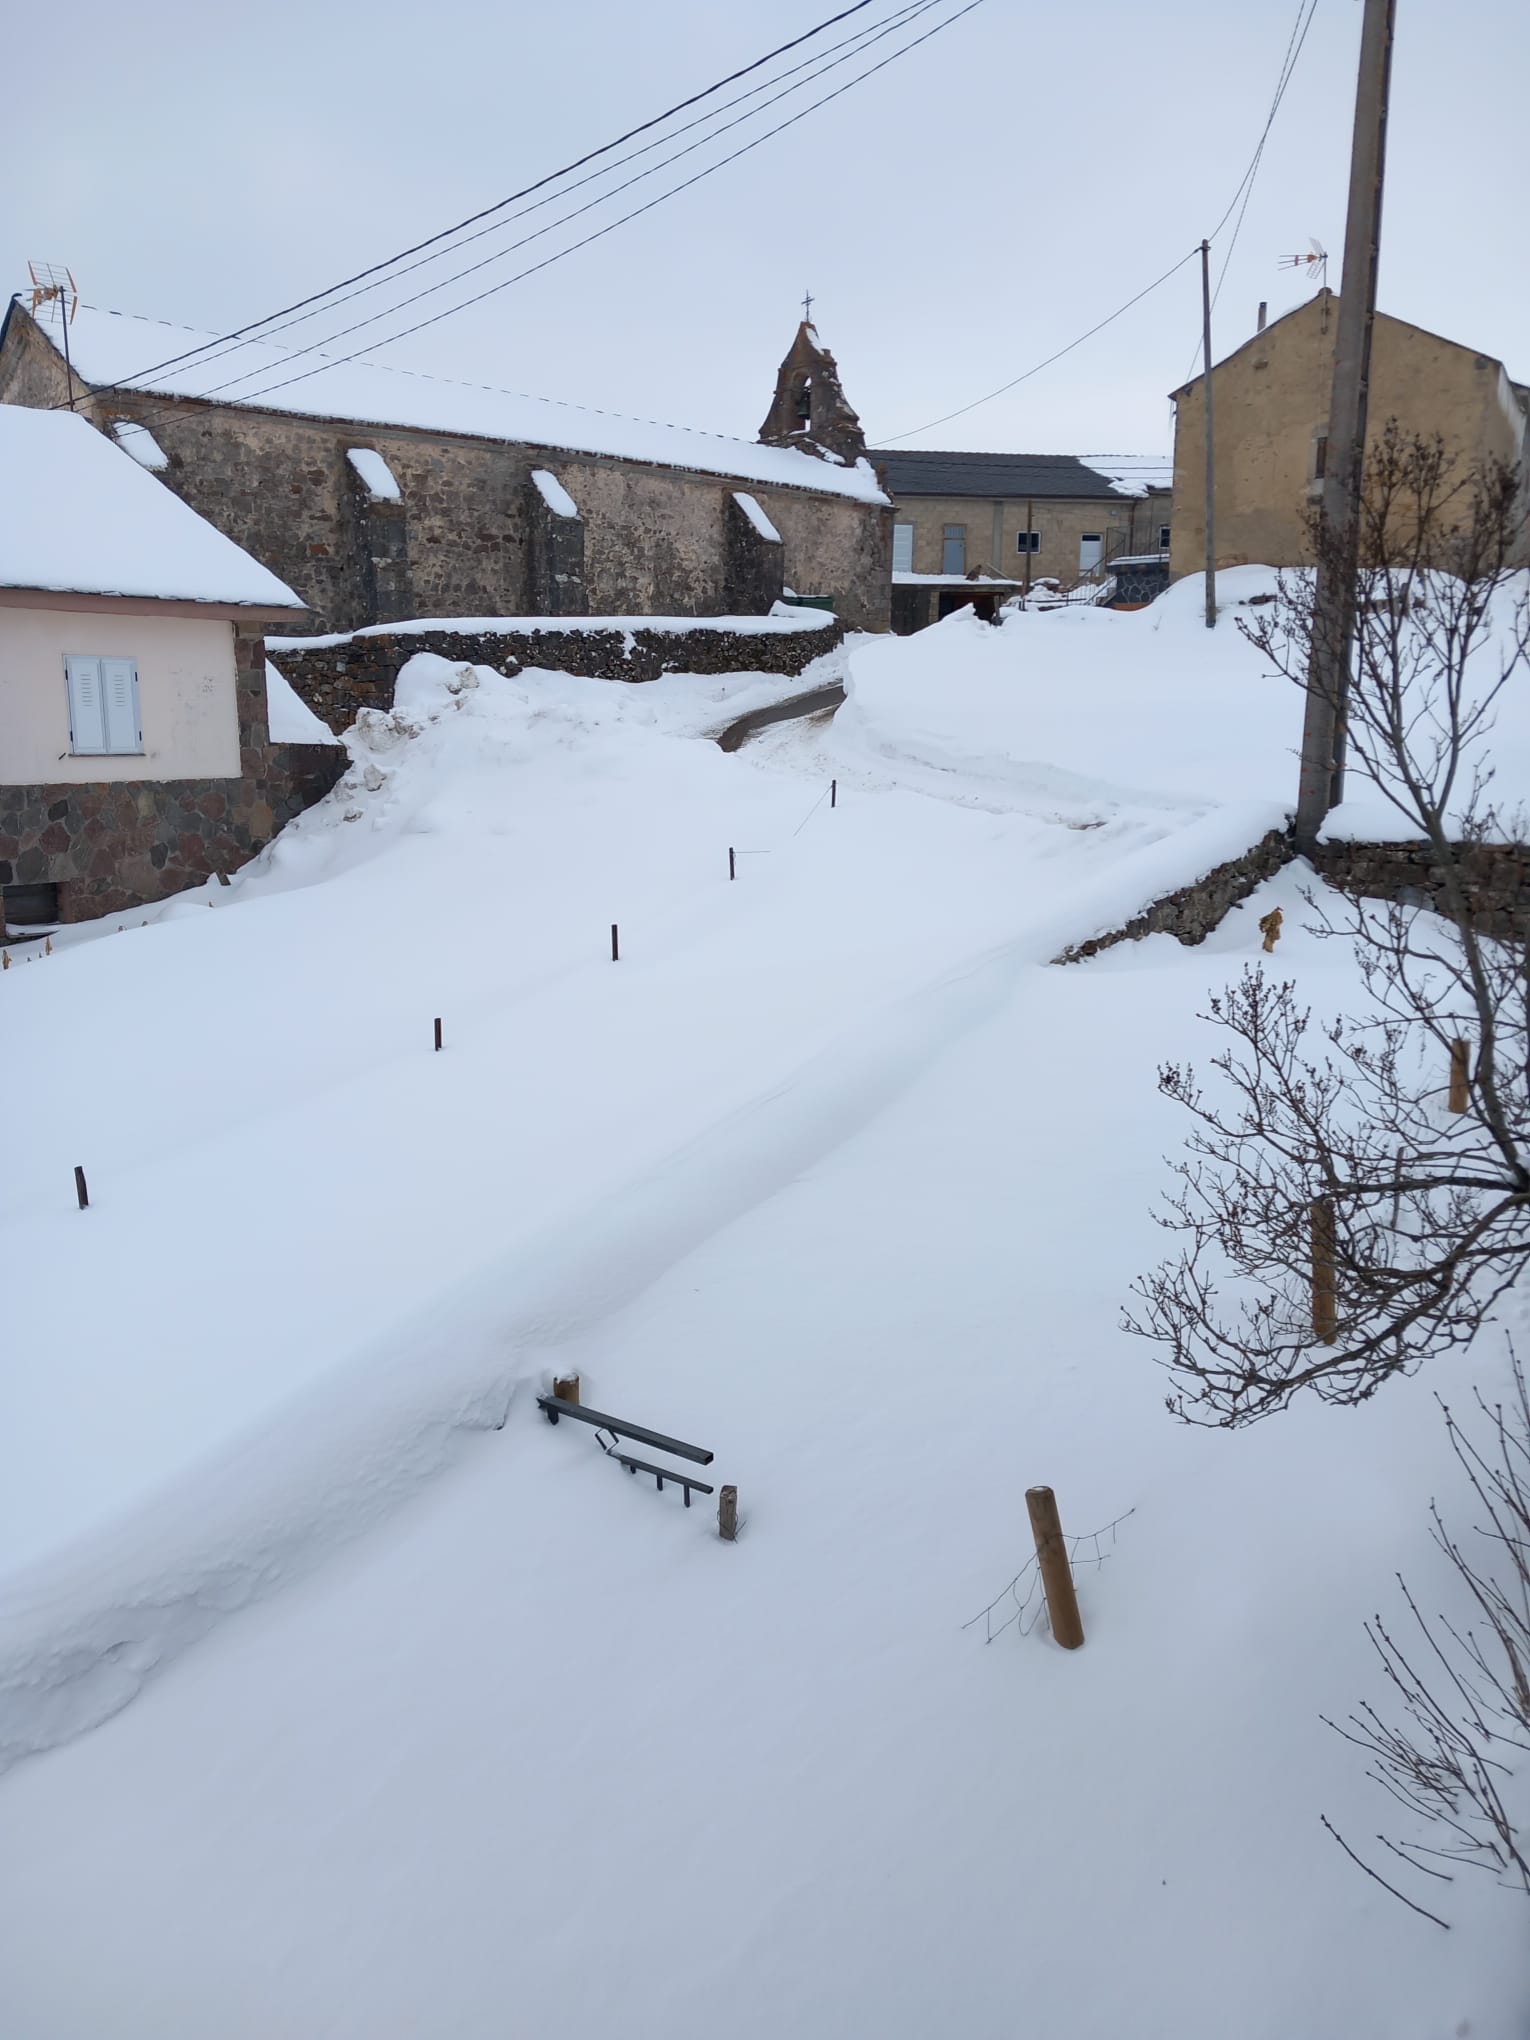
point(135, 753)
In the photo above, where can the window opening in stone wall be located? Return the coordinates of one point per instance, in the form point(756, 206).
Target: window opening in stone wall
point(1320, 457)
point(103, 706)
point(31, 906)
point(805, 401)
point(953, 549)
point(1028, 541)
point(903, 549)
point(1163, 538)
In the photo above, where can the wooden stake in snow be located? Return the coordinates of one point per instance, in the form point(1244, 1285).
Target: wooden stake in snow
point(566, 1387)
point(47, 945)
point(1459, 1053)
point(1056, 1573)
point(1269, 928)
point(615, 949)
point(79, 1187)
point(731, 872)
point(727, 1514)
point(5, 959)
point(833, 793)
point(1324, 1311)
point(438, 1037)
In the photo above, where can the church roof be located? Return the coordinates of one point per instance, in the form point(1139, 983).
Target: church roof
point(109, 348)
point(991, 475)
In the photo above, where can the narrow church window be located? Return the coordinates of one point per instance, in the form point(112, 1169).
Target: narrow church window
point(1320, 457)
point(903, 549)
point(805, 401)
point(953, 549)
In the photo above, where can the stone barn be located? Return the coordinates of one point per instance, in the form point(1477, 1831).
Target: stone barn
point(380, 493)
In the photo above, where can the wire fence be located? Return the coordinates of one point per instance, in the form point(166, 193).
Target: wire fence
point(829, 790)
point(1021, 1602)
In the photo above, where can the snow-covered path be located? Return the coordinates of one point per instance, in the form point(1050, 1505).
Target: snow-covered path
point(833, 1174)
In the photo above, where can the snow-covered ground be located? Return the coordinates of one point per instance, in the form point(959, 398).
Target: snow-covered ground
point(358, 1715)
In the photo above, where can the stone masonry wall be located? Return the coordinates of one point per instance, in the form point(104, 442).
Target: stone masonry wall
point(110, 846)
point(359, 672)
point(462, 543)
point(1191, 912)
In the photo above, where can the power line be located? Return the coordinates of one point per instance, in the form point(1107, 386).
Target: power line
point(1245, 186)
point(892, 438)
point(908, 14)
point(215, 349)
point(709, 170)
point(681, 106)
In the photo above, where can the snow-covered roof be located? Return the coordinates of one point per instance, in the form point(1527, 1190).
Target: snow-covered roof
point(116, 347)
point(79, 515)
point(926, 472)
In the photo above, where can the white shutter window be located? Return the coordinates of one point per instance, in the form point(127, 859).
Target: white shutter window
point(903, 549)
point(120, 690)
point(87, 704)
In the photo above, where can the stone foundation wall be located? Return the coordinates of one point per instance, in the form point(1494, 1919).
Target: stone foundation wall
point(359, 672)
point(112, 845)
point(1191, 912)
point(1497, 877)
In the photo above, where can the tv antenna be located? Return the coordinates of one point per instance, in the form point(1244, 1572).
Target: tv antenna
point(1315, 264)
point(54, 285)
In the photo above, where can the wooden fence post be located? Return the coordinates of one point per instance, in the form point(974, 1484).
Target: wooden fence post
point(1056, 1573)
point(566, 1389)
point(79, 1187)
point(615, 948)
point(1459, 1054)
point(833, 793)
point(438, 1037)
point(1324, 1311)
point(731, 872)
point(727, 1514)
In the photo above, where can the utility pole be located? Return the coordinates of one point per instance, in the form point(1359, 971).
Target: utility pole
point(1321, 784)
point(1211, 473)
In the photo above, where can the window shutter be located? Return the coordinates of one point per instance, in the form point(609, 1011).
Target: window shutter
point(120, 690)
point(903, 549)
point(87, 703)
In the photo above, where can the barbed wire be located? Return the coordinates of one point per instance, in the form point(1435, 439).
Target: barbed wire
point(1030, 1575)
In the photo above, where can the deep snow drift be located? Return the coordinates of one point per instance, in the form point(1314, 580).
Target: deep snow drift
point(833, 1173)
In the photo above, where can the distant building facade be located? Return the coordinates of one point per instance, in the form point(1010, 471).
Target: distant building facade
point(379, 494)
point(1014, 517)
point(1270, 428)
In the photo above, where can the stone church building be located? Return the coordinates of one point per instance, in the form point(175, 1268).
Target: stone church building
point(381, 493)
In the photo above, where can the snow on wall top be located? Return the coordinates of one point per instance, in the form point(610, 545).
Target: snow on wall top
point(140, 442)
point(757, 517)
point(77, 514)
point(288, 716)
point(115, 347)
point(375, 475)
point(779, 622)
point(553, 494)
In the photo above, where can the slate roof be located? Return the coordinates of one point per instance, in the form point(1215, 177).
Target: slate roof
point(1051, 475)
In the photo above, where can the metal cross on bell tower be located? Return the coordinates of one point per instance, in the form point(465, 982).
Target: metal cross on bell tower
point(807, 308)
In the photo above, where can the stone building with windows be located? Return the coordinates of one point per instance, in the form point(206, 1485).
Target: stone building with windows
point(381, 494)
point(136, 753)
point(1270, 427)
point(1014, 516)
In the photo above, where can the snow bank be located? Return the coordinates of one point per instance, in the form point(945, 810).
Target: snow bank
point(779, 621)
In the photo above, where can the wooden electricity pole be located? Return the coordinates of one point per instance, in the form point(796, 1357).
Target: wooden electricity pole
point(1321, 784)
point(1211, 473)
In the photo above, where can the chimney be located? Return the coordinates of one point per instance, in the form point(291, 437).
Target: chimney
point(1263, 312)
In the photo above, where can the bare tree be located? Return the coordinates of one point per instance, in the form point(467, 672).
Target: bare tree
point(1355, 1224)
point(1458, 1722)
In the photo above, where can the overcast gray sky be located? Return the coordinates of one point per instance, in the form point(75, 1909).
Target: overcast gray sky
point(958, 217)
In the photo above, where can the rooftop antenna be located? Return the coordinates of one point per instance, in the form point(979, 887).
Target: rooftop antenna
point(1315, 264)
point(54, 285)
